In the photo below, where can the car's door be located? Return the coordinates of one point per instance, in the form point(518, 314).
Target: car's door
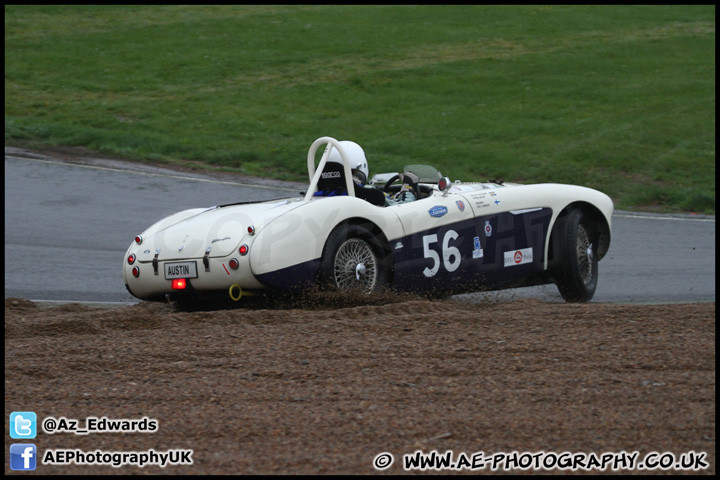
point(437, 249)
point(467, 240)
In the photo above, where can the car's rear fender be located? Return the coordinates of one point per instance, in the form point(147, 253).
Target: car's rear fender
point(294, 242)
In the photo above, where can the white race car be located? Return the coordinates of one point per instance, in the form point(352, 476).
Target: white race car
point(453, 238)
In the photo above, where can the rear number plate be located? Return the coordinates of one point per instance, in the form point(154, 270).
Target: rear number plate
point(181, 270)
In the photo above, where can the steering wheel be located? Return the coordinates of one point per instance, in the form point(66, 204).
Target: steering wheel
point(395, 178)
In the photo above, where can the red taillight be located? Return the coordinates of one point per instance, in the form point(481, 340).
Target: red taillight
point(251, 230)
point(131, 259)
point(243, 250)
point(136, 272)
point(138, 239)
point(179, 284)
point(234, 264)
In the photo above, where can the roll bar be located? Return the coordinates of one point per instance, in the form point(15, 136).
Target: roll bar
point(315, 174)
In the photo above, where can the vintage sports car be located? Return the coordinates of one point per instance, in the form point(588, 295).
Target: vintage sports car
point(453, 238)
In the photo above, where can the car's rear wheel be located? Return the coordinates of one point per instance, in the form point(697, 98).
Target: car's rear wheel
point(354, 260)
point(576, 271)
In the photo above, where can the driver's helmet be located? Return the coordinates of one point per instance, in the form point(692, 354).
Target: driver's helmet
point(357, 160)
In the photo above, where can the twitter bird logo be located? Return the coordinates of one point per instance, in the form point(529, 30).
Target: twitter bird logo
point(23, 425)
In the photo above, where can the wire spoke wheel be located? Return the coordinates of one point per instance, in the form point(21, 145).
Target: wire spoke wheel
point(355, 266)
point(576, 268)
point(584, 255)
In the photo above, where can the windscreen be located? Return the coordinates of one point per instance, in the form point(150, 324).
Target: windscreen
point(426, 173)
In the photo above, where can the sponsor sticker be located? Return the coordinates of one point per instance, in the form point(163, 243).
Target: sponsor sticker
point(477, 248)
point(461, 205)
point(488, 228)
point(438, 211)
point(518, 257)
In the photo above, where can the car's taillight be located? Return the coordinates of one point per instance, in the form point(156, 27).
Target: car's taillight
point(243, 250)
point(131, 259)
point(234, 264)
point(179, 284)
point(136, 272)
point(138, 239)
point(251, 230)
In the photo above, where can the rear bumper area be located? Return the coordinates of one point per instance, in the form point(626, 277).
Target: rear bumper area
point(151, 284)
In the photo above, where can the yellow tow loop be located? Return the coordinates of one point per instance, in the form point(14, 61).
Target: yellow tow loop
point(239, 292)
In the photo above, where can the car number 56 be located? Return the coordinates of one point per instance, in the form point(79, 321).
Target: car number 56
point(450, 255)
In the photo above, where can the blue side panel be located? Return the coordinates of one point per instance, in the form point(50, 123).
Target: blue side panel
point(467, 255)
point(470, 254)
point(507, 236)
point(302, 275)
point(432, 258)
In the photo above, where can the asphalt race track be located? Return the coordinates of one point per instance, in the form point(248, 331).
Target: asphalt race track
point(67, 226)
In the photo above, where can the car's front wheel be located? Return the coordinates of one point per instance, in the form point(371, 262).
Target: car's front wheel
point(576, 272)
point(354, 260)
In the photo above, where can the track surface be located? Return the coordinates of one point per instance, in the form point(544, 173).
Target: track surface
point(325, 388)
point(68, 225)
point(325, 383)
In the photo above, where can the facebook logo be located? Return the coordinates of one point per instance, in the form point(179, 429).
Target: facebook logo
point(23, 425)
point(23, 456)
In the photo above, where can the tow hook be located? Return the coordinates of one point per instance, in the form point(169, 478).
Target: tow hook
point(240, 293)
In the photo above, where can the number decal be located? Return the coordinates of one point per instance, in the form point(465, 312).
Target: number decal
point(430, 253)
point(450, 255)
point(450, 252)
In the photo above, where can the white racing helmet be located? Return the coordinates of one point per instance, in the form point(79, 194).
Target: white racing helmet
point(357, 160)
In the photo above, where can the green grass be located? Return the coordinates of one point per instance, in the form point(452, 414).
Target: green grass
point(618, 98)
